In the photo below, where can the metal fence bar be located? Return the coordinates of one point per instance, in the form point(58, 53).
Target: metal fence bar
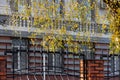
point(63, 71)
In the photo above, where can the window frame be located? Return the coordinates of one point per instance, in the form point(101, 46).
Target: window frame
point(18, 68)
point(55, 60)
point(18, 48)
point(115, 65)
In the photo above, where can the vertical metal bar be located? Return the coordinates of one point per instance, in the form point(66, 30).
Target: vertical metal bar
point(53, 62)
point(41, 50)
point(44, 73)
point(60, 59)
point(80, 59)
point(93, 51)
point(13, 63)
point(28, 56)
point(5, 50)
point(58, 64)
point(113, 65)
point(42, 62)
point(84, 67)
point(81, 64)
point(19, 58)
point(67, 58)
point(5, 53)
point(62, 54)
point(34, 59)
point(74, 63)
point(48, 61)
point(42, 56)
point(108, 66)
point(19, 65)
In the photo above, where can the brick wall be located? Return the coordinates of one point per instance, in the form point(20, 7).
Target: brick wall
point(115, 78)
point(2, 68)
point(95, 70)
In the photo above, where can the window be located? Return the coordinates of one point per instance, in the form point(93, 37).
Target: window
point(88, 50)
point(20, 58)
point(3, 19)
point(20, 54)
point(115, 65)
point(55, 61)
point(83, 48)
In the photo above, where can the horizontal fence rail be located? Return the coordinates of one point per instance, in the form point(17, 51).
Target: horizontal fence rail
point(60, 65)
point(51, 64)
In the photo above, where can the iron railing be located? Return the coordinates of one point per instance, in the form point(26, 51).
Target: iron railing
point(70, 66)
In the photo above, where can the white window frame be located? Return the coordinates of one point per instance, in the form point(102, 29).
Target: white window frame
point(54, 62)
point(19, 59)
point(115, 65)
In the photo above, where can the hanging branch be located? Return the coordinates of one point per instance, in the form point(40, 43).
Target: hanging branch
point(114, 24)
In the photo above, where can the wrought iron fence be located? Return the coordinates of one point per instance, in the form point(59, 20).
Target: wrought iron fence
point(59, 65)
point(46, 64)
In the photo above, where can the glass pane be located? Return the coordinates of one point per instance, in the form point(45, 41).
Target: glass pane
point(54, 61)
point(3, 19)
point(58, 61)
point(20, 57)
point(87, 50)
point(50, 61)
point(23, 60)
point(15, 60)
point(19, 42)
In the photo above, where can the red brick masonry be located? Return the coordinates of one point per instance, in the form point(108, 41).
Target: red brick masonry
point(2, 68)
point(95, 69)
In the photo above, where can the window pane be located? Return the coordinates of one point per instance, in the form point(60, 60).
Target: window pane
point(88, 50)
point(54, 61)
point(50, 61)
point(23, 60)
point(115, 65)
point(20, 57)
point(19, 42)
point(58, 61)
point(3, 19)
point(15, 60)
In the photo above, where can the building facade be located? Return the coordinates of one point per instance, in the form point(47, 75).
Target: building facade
point(26, 61)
